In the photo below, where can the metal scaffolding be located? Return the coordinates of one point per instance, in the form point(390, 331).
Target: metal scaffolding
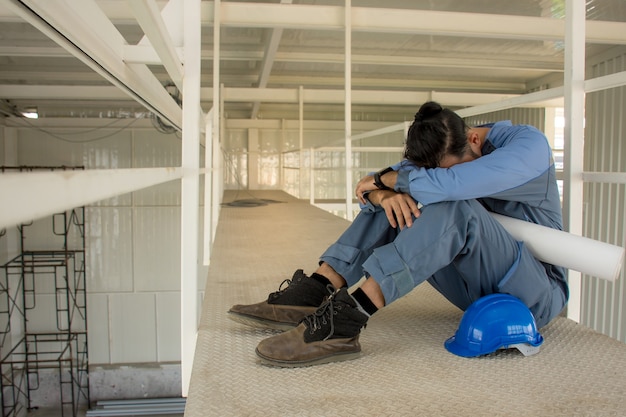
point(32, 340)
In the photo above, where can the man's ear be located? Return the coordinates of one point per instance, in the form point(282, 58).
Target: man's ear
point(473, 138)
point(475, 141)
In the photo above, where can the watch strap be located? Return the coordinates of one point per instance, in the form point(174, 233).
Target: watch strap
point(378, 182)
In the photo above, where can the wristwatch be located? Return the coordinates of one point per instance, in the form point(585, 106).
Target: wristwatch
point(377, 181)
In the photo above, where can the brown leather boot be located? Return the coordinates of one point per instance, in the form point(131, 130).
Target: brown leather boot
point(285, 308)
point(331, 334)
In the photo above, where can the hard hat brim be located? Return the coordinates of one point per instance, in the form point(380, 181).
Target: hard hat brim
point(455, 348)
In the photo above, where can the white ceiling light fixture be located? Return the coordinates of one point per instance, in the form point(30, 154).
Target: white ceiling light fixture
point(31, 113)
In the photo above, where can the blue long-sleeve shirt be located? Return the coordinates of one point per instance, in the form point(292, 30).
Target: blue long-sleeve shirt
point(515, 176)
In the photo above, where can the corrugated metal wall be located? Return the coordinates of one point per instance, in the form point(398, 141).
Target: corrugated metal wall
point(605, 204)
point(534, 117)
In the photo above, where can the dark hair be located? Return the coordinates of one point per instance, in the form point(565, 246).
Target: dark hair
point(435, 133)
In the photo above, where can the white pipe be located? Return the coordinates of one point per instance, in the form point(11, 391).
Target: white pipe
point(578, 253)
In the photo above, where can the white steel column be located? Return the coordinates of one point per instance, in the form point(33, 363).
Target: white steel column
point(574, 131)
point(348, 108)
point(217, 87)
point(311, 175)
point(218, 156)
point(208, 182)
point(190, 198)
point(301, 147)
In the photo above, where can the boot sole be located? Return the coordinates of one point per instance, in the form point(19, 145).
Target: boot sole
point(339, 357)
point(259, 323)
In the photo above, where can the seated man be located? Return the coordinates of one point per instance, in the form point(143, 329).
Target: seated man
point(458, 175)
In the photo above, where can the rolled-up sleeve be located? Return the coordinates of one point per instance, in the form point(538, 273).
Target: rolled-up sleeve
point(402, 182)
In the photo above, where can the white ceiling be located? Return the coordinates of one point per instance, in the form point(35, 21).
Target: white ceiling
point(89, 58)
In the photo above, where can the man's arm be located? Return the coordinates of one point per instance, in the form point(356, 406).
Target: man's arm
point(510, 172)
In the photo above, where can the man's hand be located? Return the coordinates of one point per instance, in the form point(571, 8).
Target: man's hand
point(365, 184)
point(400, 208)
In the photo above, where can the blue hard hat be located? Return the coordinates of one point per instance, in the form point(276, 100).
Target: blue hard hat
point(495, 321)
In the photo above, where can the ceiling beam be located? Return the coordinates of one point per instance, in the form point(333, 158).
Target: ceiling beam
point(60, 92)
point(269, 95)
point(268, 61)
point(147, 55)
point(266, 65)
point(426, 22)
point(84, 31)
point(324, 96)
point(149, 18)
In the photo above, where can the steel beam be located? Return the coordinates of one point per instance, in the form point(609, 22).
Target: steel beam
point(543, 98)
point(152, 24)
point(552, 97)
point(428, 22)
point(268, 61)
point(605, 82)
point(60, 92)
point(57, 191)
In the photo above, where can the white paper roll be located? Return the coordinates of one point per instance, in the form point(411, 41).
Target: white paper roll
point(592, 257)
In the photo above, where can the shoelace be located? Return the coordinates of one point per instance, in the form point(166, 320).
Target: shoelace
point(323, 315)
point(281, 289)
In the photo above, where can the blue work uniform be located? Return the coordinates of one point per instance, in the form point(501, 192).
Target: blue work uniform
point(455, 244)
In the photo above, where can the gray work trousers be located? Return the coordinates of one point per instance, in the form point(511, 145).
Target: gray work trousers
point(458, 247)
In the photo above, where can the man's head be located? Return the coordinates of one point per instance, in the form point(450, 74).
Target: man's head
point(439, 137)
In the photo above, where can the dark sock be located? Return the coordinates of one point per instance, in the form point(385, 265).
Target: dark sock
point(321, 278)
point(364, 301)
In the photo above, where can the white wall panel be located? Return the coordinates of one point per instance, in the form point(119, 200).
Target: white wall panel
point(42, 318)
point(38, 148)
point(167, 194)
point(133, 328)
point(38, 235)
point(156, 150)
point(168, 326)
point(156, 237)
point(98, 328)
point(109, 245)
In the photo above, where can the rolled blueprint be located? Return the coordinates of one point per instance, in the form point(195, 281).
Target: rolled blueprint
point(589, 256)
